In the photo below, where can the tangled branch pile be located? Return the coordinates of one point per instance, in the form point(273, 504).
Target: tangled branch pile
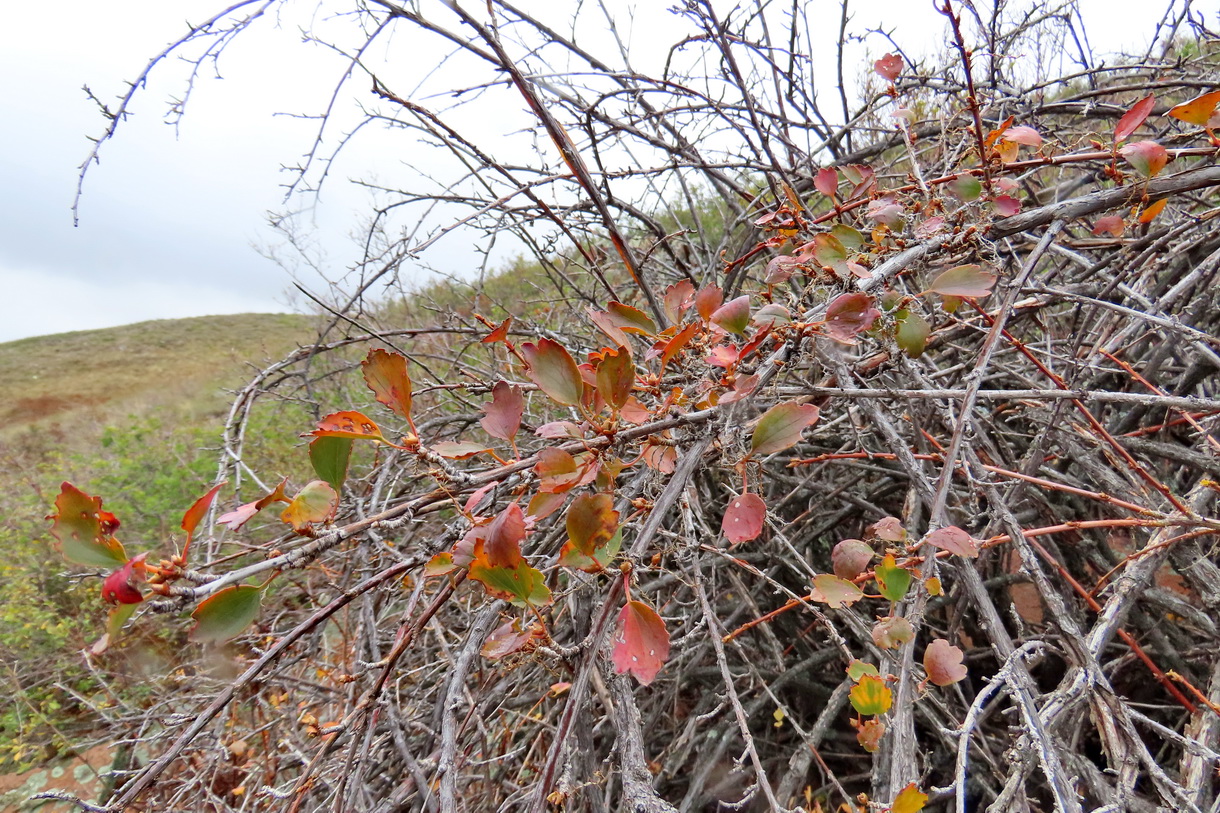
point(970, 325)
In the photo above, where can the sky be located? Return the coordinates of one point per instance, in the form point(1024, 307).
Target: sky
point(173, 221)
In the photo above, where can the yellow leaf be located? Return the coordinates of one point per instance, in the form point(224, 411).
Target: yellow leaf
point(909, 800)
point(1197, 110)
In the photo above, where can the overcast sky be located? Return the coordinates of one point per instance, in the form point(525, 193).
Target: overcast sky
point(172, 218)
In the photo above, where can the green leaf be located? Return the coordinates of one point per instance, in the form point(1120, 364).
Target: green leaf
point(781, 426)
point(734, 315)
point(330, 457)
point(117, 617)
point(966, 188)
point(892, 580)
point(591, 522)
point(595, 562)
point(84, 529)
point(858, 669)
point(870, 696)
point(967, 281)
point(632, 320)
point(615, 377)
point(316, 502)
point(522, 586)
point(912, 334)
point(834, 591)
point(226, 614)
point(830, 252)
point(851, 238)
point(551, 367)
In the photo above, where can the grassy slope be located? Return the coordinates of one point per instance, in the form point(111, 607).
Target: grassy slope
point(82, 377)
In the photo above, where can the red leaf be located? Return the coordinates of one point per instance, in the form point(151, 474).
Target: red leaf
point(888, 529)
point(660, 457)
point(1006, 205)
point(502, 545)
point(240, 516)
point(503, 417)
point(316, 502)
point(641, 644)
point(733, 316)
point(943, 663)
point(551, 367)
point(744, 518)
point(743, 387)
point(606, 324)
point(826, 181)
point(509, 638)
point(120, 587)
point(190, 520)
point(966, 281)
point(849, 315)
point(348, 424)
point(708, 300)
point(1148, 157)
point(889, 67)
point(781, 426)
point(84, 530)
point(887, 211)
point(1113, 225)
point(386, 375)
point(615, 377)
point(850, 558)
point(1133, 118)
point(678, 297)
point(500, 334)
point(1022, 135)
point(954, 540)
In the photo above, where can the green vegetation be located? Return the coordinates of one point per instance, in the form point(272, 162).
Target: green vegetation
point(135, 412)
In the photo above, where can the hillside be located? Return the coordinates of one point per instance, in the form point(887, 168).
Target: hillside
point(84, 376)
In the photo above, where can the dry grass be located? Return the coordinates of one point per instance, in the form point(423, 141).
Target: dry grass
point(80, 378)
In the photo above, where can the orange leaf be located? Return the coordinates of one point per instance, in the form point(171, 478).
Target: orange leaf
point(870, 696)
point(386, 375)
point(615, 377)
point(500, 334)
point(1148, 157)
point(1149, 214)
point(1198, 110)
point(674, 346)
point(348, 424)
point(195, 513)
